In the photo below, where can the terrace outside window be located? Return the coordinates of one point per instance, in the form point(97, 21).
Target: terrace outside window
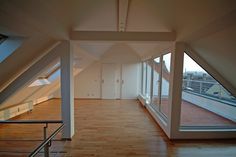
point(205, 102)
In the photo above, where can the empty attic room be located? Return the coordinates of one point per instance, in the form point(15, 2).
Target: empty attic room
point(118, 78)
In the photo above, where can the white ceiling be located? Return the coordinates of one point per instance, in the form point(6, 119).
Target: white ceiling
point(43, 22)
point(150, 16)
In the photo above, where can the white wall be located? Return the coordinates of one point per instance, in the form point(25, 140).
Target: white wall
point(120, 53)
point(87, 82)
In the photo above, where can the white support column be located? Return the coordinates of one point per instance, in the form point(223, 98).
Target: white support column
point(67, 91)
point(176, 88)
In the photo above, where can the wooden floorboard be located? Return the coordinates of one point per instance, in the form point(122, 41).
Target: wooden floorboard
point(107, 128)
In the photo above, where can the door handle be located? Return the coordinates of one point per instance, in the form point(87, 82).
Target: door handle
point(102, 81)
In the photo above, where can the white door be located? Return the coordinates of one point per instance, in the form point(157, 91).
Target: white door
point(118, 81)
point(130, 77)
point(110, 81)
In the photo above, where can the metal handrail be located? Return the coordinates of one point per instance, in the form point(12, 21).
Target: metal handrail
point(203, 81)
point(48, 140)
point(29, 121)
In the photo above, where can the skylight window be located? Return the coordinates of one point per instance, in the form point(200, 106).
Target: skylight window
point(40, 82)
point(50, 75)
point(2, 38)
point(8, 45)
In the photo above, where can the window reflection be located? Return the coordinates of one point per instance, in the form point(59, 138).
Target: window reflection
point(165, 83)
point(156, 83)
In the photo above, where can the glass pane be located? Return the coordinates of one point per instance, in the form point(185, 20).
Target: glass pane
point(2, 38)
point(205, 102)
point(156, 82)
point(165, 83)
point(149, 73)
point(144, 78)
point(8, 46)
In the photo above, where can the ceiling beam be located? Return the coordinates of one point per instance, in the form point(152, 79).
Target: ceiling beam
point(122, 36)
point(123, 7)
point(31, 73)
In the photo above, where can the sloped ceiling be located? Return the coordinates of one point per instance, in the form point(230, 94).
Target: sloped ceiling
point(44, 22)
point(193, 15)
point(219, 50)
point(150, 16)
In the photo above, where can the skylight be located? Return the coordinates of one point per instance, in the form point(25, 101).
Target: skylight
point(50, 75)
point(2, 38)
point(40, 82)
point(8, 45)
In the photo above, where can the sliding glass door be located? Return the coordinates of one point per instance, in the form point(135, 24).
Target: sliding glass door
point(161, 83)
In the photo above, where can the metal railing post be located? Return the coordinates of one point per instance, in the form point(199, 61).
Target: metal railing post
point(46, 147)
point(47, 141)
point(220, 90)
point(200, 87)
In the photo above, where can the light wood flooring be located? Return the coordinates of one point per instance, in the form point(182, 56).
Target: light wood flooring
point(106, 128)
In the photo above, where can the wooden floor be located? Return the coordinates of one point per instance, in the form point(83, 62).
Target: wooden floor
point(106, 128)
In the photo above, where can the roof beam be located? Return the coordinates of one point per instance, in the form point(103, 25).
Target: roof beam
point(31, 73)
point(123, 7)
point(122, 36)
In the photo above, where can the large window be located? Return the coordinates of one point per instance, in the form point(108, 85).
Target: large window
point(165, 83)
point(156, 83)
point(144, 78)
point(205, 106)
point(149, 79)
point(205, 102)
point(160, 85)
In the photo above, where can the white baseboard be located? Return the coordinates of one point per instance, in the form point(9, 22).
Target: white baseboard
point(19, 109)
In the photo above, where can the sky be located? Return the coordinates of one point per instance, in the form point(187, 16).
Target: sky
point(8, 47)
point(167, 59)
point(191, 65)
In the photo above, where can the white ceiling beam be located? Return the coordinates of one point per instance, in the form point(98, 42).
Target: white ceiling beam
point(122, 36)
point(31, 73)
point(123, 7)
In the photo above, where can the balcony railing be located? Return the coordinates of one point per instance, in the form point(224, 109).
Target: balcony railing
point(210, 89)
point(47, 139)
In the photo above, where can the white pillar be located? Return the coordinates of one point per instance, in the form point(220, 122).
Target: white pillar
point(67, 91)
point(176, 89)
